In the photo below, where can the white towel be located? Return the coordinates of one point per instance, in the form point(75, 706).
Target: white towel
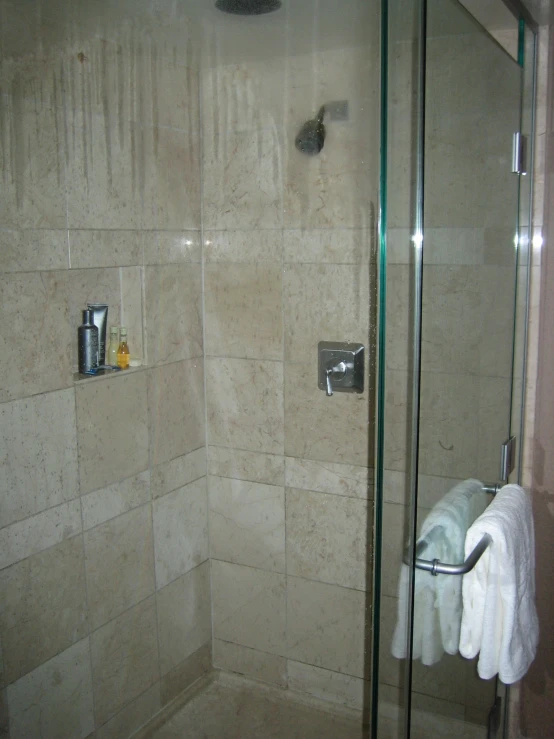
point(438, 599)
point(499, 615)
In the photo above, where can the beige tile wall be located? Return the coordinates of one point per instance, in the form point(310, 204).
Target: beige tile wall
point(289, 261)
point(104, 573)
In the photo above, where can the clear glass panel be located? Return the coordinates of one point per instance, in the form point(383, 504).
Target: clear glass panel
point(472, 94)
point(400, 125)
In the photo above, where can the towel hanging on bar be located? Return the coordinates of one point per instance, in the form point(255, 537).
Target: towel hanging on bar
point(436, 567)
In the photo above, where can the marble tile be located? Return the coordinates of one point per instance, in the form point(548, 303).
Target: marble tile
point(494, 423)
point(432, 488)
point(36, 533)
point(55, 699)
point(499, 248)
point(243, 246)
point(241, 465)
point(327, 246)
point(166, 247)
point(38, 455)
point(247, 523)
point(452, 317)
point(34, 176)
point(177, 194)
point(184, 617)
point(241, 97)
point(120, 564)
point(171, 475)
point(186, 673)
point(243, 304)
point(449, 425)
point(43, 607)
point(35, 333)
point(398, 317)
point(399, 246)
point(326, 626)
point(33, 249)
point(176, 409)
point(107, 503)
point(395, 530)
point(236, 707)
point(92, 286)
point(439, 707)
point(173, 312)
point(397, 419)
point(336, 74)
point(334, 687)
point(105, 248)
point(4, 715)
point(243, 180)
point(132, 279)
point(320, 428)
point(391, 670)
point(133, 716)
point(328, 477)
point(334, 189)
point(311, 293)
point(180, 531)
point(128, 79)
point(112, 430)
point(497, 317)
point(249, 607)
point(112, 174)
point(124, 656)
point(395, 487)
point(327, 538)
point(457, 246)
point(251, 662)
point(245, 404)
point(445, 679)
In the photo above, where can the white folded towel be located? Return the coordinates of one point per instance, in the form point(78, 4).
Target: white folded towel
point(438, 599)
point(499, 615)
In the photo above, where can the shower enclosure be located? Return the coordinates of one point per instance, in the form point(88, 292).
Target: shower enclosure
point(240, 186)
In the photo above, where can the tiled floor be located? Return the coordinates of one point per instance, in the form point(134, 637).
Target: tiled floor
point(230, 707)
point(226, 706)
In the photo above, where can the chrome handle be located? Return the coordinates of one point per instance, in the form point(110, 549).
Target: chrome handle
point(338, 370)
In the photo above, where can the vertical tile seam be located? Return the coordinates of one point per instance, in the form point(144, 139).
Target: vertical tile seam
point(200, 90)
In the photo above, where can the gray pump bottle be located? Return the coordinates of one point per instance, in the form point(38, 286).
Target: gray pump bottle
point(88, 343)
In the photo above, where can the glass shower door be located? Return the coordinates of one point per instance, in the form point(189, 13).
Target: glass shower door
point(464, 344)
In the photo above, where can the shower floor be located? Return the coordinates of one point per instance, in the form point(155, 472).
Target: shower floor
point(224, 706)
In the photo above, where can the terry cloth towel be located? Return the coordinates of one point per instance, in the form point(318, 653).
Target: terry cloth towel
point(438, 599)
point(499, 615)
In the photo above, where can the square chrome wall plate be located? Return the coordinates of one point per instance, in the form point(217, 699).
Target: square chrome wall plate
point(340, 367)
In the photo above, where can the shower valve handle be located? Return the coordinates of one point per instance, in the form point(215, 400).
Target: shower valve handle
point(338, 371)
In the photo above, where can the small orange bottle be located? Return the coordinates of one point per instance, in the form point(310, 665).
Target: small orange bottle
point(123, 350)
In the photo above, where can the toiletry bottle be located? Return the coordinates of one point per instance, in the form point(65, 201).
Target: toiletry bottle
point(87, 335)
point(123, 350)
point(114, 346)
point(100, 320)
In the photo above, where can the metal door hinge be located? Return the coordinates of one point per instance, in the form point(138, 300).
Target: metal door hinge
point(519, 153)
point(507, 458)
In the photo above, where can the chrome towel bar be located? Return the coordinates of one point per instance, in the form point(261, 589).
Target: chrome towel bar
point(436, 567)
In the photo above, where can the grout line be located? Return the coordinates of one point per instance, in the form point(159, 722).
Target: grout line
point(85, 566)
point(203, 303)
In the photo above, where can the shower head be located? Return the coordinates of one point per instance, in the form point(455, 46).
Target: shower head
point(311, 137)
point(248, 7)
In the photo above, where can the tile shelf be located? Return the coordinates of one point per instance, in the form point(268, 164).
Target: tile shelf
point(79, 378)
